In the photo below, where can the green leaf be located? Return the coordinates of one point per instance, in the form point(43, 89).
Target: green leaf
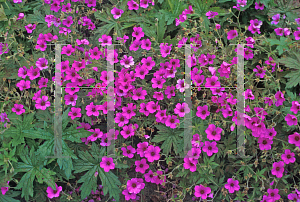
point(36, 17)
point(161, 28)
point(33, 166)
point(294, 74)
point(89, 182)
point(110, 182)
point(282, 44)
point(149, 30)
point(8, 197)
point(17, 133)
point(2, 14)
point(169, 137)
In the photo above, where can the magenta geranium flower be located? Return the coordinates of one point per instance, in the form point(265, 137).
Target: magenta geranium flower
point(264, 143)
point(142, 147)
point(33, 73)
point(75, 112)
point(202, 112)
point(121, 120)
point(139, 94)
point(158, 95)
point(232, 34)
point(288, 157)
point(23, 72)
point(105, 40)
point(190, 163)
point(295, 139)
point(210, 148)
point(66, 8)
point(165, 49)
point(181, 85)
point(259, 6)
point(295, 107)
point(260, 71)
point(4, 189)
point(42, 103)
point(95, 53)
point(249, 94)
point(232, 185)
point(291, 120)
point(148, 63)
point(107, 164)
point(213, 133)
point(127, 131)
point(170, 91)
point(171, 121)
point(116, 12)
point(135, 45)
point(276, 19)
point(23, 85)
point(297, 35)
point(128, 195)
point(132, 5)
point(194, 153)
point(152, 153)
point(135, 185)
point(92, 109)
point(212, 82)
point(127, 61)
point(43, 82)
point(201, 191)
point(42, 63)
point(181, 109)
point(129, 151)
point(97, 134)
point(273, 194)
point(279, 31)
point(141, 166)
point(55, 6)
point(128, 111)
point(68, 50)
point(18, 108)
point(68, 21)
point(278, 168)
point(211, 14)
point(138, 33)
point(53, 193)
point(29, 28)
point(146, 44)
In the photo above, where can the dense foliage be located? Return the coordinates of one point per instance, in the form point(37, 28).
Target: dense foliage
point(41, 162)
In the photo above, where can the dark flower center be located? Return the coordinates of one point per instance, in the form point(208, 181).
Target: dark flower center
point(264, 142)
point(214, 133)
point(152, 153)
point(75, 114)
point(209, 148)
point(277, 168)
point(202, 191)
point(297, 138)
point(42, 103)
